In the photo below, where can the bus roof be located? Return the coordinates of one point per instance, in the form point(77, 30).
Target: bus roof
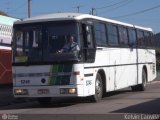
point(5, 20)
point(74, 16)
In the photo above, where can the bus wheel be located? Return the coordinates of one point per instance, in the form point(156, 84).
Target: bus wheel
point(141, 87)
point(44, 101)
point(98, 89)
point(144, 81)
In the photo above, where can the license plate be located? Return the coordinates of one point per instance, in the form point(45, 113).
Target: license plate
point(43, 91)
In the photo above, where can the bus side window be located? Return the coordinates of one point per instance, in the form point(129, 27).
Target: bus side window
point(112, 35)
point(123, 37)
point(147, 38)
point(132, 37)
point(140, 38)
point(152, 40)
point(100, 34)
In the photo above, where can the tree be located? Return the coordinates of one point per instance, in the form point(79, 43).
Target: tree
point(3, 13)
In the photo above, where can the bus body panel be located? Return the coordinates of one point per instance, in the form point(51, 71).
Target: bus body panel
point(146, 57)
point(89, 81)
point(33, 74)
point(52, 91)
point(34, 78)
point(117, 65)
point(128, 66)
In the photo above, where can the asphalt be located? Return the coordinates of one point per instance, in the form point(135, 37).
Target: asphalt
point(7, 98)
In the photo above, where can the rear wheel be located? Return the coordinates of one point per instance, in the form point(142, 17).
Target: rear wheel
point(98, 89)
point(44, 101)
point(135, 88)
point(144, 81)
point(141, 87)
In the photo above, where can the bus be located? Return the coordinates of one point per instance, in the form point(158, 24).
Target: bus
point(6, 24)
point(113, 55)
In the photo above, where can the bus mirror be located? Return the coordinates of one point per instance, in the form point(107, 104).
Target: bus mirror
point(88, 39)
point(87, 34)
point(87, 29)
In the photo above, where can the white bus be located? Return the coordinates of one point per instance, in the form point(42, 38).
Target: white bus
point(6, 24)
point(113, 55)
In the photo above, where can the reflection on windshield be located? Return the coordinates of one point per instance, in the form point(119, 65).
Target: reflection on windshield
point(28, 44)
point(58, 35)
point(43, 43)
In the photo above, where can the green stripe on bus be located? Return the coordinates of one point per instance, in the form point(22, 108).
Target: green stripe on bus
point(55, 70)
point(52, 79)
point(59, 78)
point(59, 68)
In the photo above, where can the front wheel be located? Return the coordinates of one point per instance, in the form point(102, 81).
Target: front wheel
point(98, 89)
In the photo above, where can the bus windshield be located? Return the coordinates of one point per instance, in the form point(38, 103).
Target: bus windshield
point(42, 43)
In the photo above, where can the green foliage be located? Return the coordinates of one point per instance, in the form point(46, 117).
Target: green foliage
point(3, 13)
point(158, 58)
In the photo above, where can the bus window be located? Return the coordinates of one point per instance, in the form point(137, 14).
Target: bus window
point(57, 35)
point(123, 37)
point(140, 38)
point(112, 35)
point(27, 44)
point(132, 37)
point(100, 34)
point(152, 40)
point(147, 38)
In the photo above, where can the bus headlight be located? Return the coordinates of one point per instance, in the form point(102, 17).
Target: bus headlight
point(68, 91)
point(72, 90)
point(20, 91)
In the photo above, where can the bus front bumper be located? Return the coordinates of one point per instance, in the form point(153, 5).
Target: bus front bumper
point(45, 91)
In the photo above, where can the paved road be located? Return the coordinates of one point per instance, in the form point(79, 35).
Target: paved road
point(124, 101)
point(120, 102)
point(123, 104)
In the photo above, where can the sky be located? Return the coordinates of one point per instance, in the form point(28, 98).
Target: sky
point(144, 13)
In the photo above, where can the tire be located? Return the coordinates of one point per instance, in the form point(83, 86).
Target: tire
point(135, 88)
point(144, 81)
point(98, 89)
point(141, 87)
point(44, 101)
